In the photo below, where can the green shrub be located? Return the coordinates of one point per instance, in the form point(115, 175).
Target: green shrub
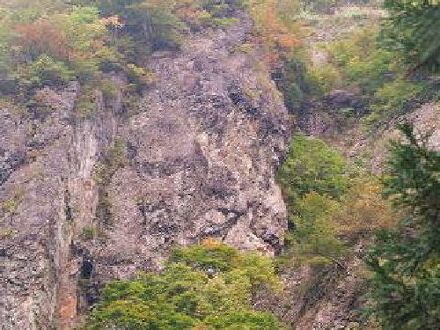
point(86, 70)
point(5, 51)
point(214, 14)
point(312, 166)
point(86, 104)
point(296, 83)
point(220, 258)
point(244, 320)
point(361, 64)
point(109, 89)
point(10, 206)
point(114, 159)
point(361, 61)
point(89, 233)
point(314, 239)
point(92, 232)
point(186, 296)
point(139, 76)
point(363, 210)
point(324, 78)
point(7, 233)
point(46, 71)
point(392, 98)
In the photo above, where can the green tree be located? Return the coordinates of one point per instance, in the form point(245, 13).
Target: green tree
point(85, 32)
point(208, 286)
point(413, 29)
point(406, 261)
point(314, 240)
point(45, 71)
point(313, 178)
point(6, 61)
point(152, 25)
point(312, 166)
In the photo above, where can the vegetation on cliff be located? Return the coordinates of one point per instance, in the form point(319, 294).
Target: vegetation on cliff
point(392, 68)
point(55, 42)
point(412, 30)
point(385, 55)
point(334, 204)
point(405, 287)
point(330, 202)
point(206, 286)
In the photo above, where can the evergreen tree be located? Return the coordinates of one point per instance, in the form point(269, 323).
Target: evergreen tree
point(406, 260)
point(413, 29)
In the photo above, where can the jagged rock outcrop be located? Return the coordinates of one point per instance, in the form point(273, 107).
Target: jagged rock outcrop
point(337, 119)
point(319, 298)
point(425, 119)
point(198, 159)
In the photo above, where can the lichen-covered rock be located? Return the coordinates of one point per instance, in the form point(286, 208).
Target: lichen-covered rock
point(321, 297)
point(425, 119)
point(199, 160)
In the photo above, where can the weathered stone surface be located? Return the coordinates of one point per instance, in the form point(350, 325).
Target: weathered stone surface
point(372, 146)
point(426, 119)
point(200, 157)
point(319, 298)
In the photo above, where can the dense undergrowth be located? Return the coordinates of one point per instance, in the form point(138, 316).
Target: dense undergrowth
point(207, 286)
point(362, 52)
point(391, 62)
point(332, 203)
point(360, 64)
point(52, 42)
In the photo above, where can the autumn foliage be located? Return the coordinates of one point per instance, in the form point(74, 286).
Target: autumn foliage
point(276, 30)
point(41, 37)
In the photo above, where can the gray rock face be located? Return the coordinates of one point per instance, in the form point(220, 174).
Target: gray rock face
point(199, 160)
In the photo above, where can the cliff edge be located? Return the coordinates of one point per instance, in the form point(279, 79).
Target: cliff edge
point(86, 199)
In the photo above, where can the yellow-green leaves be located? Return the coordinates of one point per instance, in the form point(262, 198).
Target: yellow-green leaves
point(207, 286)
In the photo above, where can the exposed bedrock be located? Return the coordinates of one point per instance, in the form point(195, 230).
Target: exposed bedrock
point(199, 160)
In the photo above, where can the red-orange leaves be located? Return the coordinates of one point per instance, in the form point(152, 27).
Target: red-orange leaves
point(42, 37)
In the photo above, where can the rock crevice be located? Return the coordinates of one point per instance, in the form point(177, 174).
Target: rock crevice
point(200, 156)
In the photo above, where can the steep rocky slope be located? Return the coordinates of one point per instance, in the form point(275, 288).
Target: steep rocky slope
point(326, 117)
point(87, 199)
point(333, 297)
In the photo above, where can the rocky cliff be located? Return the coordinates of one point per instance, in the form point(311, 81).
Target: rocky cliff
point(85, 199)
